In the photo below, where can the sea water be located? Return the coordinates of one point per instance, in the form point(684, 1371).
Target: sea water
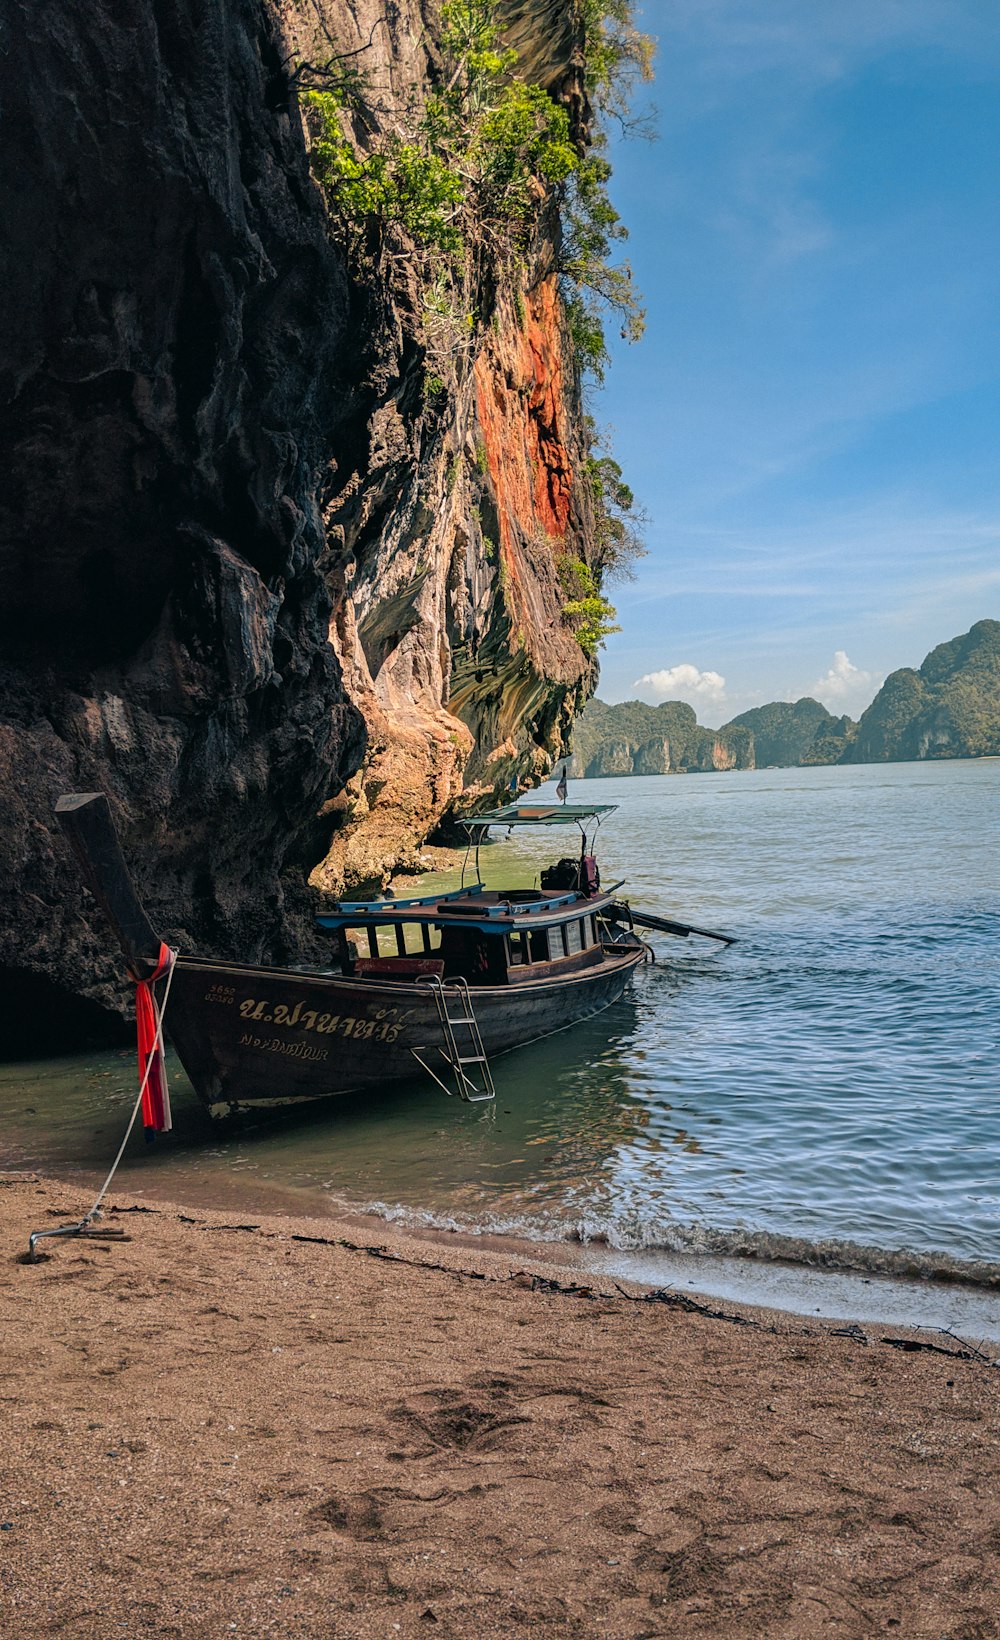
point(824, 1092)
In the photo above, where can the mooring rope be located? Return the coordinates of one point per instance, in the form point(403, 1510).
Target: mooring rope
point(80, 1228)
point(160, 1010)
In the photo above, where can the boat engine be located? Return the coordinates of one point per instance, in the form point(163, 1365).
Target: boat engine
point(582, 874)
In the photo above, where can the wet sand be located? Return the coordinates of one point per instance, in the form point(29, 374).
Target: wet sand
point(232, 1424)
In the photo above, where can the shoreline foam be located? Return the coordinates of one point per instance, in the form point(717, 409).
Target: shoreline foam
point(747, 1268)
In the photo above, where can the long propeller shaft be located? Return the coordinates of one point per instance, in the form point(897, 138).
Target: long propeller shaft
point(666, 925)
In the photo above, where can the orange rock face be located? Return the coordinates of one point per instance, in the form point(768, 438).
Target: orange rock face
point(522, 415)
point(449, 533)
point(453, 639)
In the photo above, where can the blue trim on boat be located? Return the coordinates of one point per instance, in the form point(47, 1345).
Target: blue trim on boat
point(386, 913)
point(405, 905)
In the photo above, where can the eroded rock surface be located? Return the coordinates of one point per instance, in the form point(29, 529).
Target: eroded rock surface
point(175, 332)
point(448, 528)
point(282, 598)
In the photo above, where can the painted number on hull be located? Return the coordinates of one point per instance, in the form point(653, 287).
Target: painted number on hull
point(382, 1027)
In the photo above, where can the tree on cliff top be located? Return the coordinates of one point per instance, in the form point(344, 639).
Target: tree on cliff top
point(485, 160)
point(616, 56)
point(486, 170)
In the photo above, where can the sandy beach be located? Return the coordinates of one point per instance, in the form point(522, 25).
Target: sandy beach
point(284, 1427)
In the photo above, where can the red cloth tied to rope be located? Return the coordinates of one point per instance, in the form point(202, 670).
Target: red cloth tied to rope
point(155, 1095)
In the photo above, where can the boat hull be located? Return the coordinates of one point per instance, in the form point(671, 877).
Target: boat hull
point(258, 1039)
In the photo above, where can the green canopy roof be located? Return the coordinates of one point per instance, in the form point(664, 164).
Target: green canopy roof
point(541, 814)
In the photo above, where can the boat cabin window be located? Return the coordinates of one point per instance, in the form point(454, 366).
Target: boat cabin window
point(574, 942)
point(421, 939)
point(472, 955)
point(395, 940)
point(529, 945)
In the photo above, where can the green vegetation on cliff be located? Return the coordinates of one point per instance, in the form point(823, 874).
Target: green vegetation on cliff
point(950, 707)
point(633, 738)
point(490, 155)
point(593, 617)
point(787, 733)
point(485, 183)
point(484, 150)
point(831, 742)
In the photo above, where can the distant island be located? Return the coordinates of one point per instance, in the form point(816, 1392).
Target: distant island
point(949, 707)
point(633, 738)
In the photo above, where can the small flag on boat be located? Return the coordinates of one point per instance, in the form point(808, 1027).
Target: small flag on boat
point(562, 790)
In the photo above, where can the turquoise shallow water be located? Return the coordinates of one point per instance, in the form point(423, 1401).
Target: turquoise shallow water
point(824, 1091)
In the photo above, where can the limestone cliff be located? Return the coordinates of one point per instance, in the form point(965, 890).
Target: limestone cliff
point(263, 581)
point(450, 625)
point(631, 737)
point(949, 707)
point(788, 733)
point(448, 528)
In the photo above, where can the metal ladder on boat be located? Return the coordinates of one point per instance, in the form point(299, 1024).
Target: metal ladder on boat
point(473, 1077)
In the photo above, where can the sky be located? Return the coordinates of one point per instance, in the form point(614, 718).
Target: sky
point(811, 419)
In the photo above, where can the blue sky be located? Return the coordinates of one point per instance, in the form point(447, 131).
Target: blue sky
point(812, 417)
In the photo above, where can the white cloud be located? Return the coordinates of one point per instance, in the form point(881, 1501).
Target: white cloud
point(845, 685)
point(683, 682)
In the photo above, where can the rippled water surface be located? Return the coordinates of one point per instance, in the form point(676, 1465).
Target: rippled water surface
point(826, 1088)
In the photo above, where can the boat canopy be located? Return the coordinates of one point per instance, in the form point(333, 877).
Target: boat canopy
point(541, 814)
point(482, 913)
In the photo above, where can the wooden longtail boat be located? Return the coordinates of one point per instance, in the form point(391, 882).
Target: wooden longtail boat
point(441, 982)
